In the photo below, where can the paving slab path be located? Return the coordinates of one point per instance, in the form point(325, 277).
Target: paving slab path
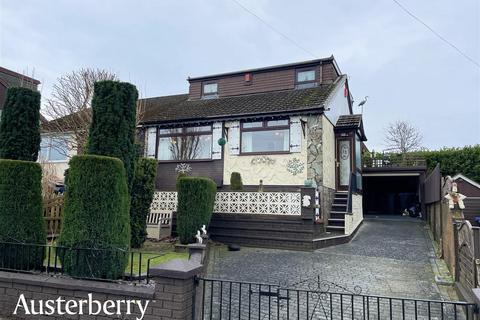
point(390, 257)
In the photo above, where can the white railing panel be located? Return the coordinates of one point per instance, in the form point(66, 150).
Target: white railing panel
point(272, 203)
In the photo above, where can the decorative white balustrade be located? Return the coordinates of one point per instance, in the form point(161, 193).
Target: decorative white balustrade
point(272, 203)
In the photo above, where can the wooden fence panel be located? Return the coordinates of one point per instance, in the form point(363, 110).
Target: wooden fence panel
point(52, 213)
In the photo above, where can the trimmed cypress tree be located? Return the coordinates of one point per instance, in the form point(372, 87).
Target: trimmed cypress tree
point(142, 196)
point(21, 214)
point(196, 198)
point(20, 125)
point(96, 216)
point(112, 132)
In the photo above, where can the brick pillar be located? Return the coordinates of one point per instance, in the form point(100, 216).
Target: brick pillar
point(175, 289)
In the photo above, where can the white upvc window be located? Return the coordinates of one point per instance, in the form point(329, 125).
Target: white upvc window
point(54, 149)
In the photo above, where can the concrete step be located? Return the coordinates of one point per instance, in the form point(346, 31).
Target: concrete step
point(336, 228)
point(262, 241)
point(336, 222)
point(264, 232)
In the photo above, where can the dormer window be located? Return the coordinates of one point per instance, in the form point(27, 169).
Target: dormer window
point(305, 78)
point(210, 90)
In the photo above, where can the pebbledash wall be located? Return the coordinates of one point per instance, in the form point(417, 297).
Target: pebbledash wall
point(170, 294)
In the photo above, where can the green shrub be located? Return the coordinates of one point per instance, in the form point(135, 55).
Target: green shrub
point(20, 125)
point(464, 160)
point(236, 182)
point(196, 198)
point(142, 195)
point(96, 216)
point(112, 132)
point(21, 213)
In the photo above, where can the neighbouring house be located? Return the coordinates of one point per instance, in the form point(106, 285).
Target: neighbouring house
point(471, 189)
point(9, 78)
point(56, 147)
point(289, 130)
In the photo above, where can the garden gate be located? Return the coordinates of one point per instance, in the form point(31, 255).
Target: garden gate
point(466, 273)
point(222, 299)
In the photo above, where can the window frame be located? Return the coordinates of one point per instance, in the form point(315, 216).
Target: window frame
point(264, 127)
point(183, 133)
point(300, 83)
point(209, 95)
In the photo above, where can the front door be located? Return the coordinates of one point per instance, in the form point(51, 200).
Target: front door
point(344, 163)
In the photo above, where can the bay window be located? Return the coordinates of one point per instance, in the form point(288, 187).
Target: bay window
point(190, 143)
point(270, 136)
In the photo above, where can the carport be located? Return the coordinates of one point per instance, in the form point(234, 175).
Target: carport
point(390, 195)
point(390, 188)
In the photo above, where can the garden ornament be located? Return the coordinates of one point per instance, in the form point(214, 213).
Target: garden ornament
point(306, 200)
point(222, 141)
point(454, 197)
point(199, 237)
point(204, 230)
point(455, 202)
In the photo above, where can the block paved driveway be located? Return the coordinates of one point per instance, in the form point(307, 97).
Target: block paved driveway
point(390, 257)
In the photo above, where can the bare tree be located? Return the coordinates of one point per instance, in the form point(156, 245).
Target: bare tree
point(69, 108)
point(402, 137)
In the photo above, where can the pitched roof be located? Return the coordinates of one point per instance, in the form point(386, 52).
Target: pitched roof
point(179, 108)
point(351, 121)
point(461, 176)
point(69, 122)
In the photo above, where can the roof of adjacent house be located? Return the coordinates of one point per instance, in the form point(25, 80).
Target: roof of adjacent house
point(351, 121)
point(178, 108)
point(18, 75)
point(464, 178)
point(70, 122)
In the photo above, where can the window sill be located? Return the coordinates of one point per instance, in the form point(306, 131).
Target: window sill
point(54, 161)
point(187, 161)
point(272, 153)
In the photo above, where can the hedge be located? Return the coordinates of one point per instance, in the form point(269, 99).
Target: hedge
point(142, 196)
point(20, 125)
point(21, 212)
point(452, 161)
point(196, 198)
point(96, 216)
point(112, 132)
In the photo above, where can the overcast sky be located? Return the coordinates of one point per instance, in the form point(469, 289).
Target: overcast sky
point(408, 73)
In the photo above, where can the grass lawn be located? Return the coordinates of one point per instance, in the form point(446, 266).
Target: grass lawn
point(157, 252)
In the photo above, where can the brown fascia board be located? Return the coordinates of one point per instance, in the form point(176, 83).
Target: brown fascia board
point(269, 68)
point(313, 110)
point(19, 75)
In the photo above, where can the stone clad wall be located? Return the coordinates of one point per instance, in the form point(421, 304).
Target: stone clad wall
point(314, 149)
